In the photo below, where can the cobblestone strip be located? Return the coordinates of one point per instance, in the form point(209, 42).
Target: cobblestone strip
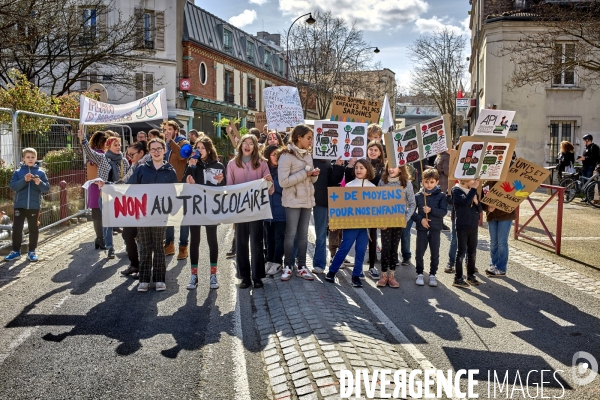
point(47, 252)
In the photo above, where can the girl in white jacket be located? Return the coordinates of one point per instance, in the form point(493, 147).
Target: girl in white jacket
point(363, 172)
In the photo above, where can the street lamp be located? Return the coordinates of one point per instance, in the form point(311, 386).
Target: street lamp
point(310, 20)
point(376, 51)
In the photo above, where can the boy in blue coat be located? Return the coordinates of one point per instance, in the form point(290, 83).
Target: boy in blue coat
point(428, 217)
point(29, 182)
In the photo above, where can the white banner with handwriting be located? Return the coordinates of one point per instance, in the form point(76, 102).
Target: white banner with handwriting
point(184, 204)
point(149, 108)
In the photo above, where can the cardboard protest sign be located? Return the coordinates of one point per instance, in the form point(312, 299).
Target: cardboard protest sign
point(483, 157)
point(352, 109)
point(172, 204)
point(435, 135)
point(233, 134)
point(366, 207)
point(149, 108)
point(283, 107)
point(452, 165)
point(403, 147)
point(493, 122)
point(522, 179)
point(335, 139)
point(260, 120)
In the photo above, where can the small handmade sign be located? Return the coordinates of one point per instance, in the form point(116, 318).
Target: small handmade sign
point(233, 134)
point(366, 207)
point(493, 122)
point(353, 109)
point(149, 108)
point(522, 179)
point(283, 107)
point(260, 120)
point(483, 157)
point(334, 139)
point(435, 135)
point(175, 203)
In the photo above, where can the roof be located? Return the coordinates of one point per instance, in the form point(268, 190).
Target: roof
point(206, 29)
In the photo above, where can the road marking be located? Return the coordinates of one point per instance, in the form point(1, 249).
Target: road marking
point(240, 374)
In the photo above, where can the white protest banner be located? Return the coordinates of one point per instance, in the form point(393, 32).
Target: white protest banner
point(493, 122)
point(328, 140)
point(93, 112)
point(435, 135)
point(402, 146)
point(183, 203)
point(283, 107)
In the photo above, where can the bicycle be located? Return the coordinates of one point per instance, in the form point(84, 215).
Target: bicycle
point(590, 189)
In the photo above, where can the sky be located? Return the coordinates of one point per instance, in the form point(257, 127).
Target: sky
point(391, 25)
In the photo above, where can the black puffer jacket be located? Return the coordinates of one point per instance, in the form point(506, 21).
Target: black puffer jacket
point(198, 172)
point(466, 212)
point(436, 200)
point(146, 174)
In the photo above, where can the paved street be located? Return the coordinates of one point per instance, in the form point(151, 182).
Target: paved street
point(73, 327)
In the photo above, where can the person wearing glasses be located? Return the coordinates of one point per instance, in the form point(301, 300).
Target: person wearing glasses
point(150, 238)
point(138, 155)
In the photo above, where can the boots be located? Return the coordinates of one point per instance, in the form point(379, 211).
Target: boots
point(99, 243)
point(169, 249)
point(231, 253)
point(383, 280)
point(392, 280)
point(183, 253)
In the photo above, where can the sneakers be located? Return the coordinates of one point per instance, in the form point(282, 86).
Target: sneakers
point(361, 275)
point(432, 281)
point(330, 277)
point(272, 268)
point(373, 273)
point(392, 280)
point(318, 270)
point(383, 281)
point(460, 282)
point(31, 256)
point(183, 253)
point(214, 284)
point(472, 280)
point(420, 281)
point(193, 282)
point(14, 255)
point(169, 249)
point(286, 273)
point(445, 228)
point(111, 253)
point(405, 261)
point(449, 268)
point(303, 272)
point(143, 287)
point(160, 286)
point(356, 282)
point(494, 272)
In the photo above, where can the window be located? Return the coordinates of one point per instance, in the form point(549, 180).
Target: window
point(89, 17)
point(227, 41)
point(559, 131)
point(228, 86)
point(251, 93)
point(564, 61)
point(202, 73)
point(144, 85)
point(280, 65)
point(267, 59)
point(250, 52)
point(148, 29)
point(87, 80)
point(150, 33)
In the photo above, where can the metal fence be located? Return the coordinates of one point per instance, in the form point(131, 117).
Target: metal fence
point(61, 156)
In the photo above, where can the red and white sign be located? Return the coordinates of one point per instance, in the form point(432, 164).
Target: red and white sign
point(185, 84)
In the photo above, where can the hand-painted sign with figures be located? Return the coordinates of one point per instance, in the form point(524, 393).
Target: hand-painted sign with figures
point(405, 146)
point(522, 179)
point(493, 122)
point(435, 135)
point(339, 139)
point(483, 158)
point(366, 207)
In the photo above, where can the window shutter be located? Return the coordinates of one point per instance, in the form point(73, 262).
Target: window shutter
point(159, 43)
point(83, 83)
point(139, 86)
point(149, 85)
point(139, 28)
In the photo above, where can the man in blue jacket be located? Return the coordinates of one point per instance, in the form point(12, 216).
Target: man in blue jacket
point(29, 182)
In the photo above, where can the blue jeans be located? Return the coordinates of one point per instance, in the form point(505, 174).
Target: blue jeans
point(405, 241)
point(453, 244)
point(499, 231)
point(106, 232)
point(349, 237)
point(320, 216)
point(184, 235)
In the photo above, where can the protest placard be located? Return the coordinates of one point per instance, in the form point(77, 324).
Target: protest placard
point(483, 157)
point(403, 147)
point(366, 207)
point(493, 122)
point(333, 139)
point(149, 108)
point(352, 109)
point(282, 107)
point(435, 135)
point(522, 179)
point(190, 204)
point(233, 134)
point(260, 120)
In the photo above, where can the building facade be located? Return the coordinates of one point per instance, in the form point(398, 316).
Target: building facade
point(546, 113)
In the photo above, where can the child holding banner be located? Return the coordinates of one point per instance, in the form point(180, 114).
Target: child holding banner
point(363, 171)
point(206, 170)
point(150, 238)
point(390, 237)
point(247, 166)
